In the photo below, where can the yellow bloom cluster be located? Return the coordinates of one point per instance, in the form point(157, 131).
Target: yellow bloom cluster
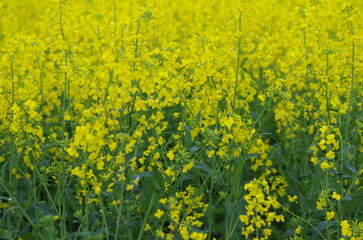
point(328, 144)
point(170, 115)
point(261, 206)
point(182, 212)
point(352, 231)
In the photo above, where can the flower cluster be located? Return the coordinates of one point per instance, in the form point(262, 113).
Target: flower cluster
point(184, 119)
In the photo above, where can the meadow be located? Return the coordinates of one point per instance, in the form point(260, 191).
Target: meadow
point(181, 119)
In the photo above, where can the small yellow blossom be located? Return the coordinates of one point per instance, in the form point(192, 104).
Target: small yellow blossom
point(336, 196)
point(147, 227)
point(198, 236)
point(159, 213)
point(329, 215)
point(325, 165)
point(346, 229)
point(314, 160)
point(298, 230)
point(187, 167)
point(292, 198)
point(170, 155)
point(163, 200)
point(330, 155)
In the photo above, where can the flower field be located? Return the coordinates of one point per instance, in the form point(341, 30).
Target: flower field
point(184, 119)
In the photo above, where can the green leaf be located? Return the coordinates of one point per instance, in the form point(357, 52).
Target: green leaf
point(194, 149)
point(324, 225)
point(188, 137)
point(143, 174)
point(5, 234)
point(201, 166)
point(157, 180)
point(251, 155)
point(75, 234)
point(353, 203)
point(229, 209)
point(178, 183)
point(350, 167)
point(45, 209)
point(199, 116)
point(30, 236)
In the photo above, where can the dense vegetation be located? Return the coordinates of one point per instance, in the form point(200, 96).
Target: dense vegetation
point(181, 119)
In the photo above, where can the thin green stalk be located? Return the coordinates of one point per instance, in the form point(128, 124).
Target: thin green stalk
point(115, 16)
point(238, 59)
point(99, 39)
point(84, 220)
point(47, 191)
point(119, 210)
point(63, 173)
point(40, 77)
point(304, 220)
point(210, 192)
point(12, 77)
point(150, 207)
point(12, 117)
point(327, 90)
point(352, 93)
point(136, 51)
point(61, 19)
point(21, 209)
point(104, 220)
point(325, 208)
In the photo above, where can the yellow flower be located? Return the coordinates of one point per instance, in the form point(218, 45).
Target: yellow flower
point(160, 234)
point(147, 227)
point(324, 165)
point(345, 228)
point(169, 236)
point(323, 129)
point(163, 200)
point(115, 202)
point(330, 139)
point(159, 213)
point(244, 219)
point(320, 204)
point(292, 198)
point(336, 196)
point(170, 155)
point(314, 160)
point(267, 232)
point(322, 144)
point(298, 230)
point(330, 155)
point(169, 172)
point(210, 153)
point(329, 215)
point(198, 236)
point(188, 166)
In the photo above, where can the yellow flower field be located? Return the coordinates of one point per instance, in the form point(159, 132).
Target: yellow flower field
point(184, 119)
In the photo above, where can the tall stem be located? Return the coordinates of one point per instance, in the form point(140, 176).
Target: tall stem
point(238, 59)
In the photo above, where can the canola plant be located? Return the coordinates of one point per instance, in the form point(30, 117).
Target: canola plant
point(184, 119)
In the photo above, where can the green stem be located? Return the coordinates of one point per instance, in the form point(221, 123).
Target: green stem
point(119, 211)
point(61, 19)
point(21, 209)
point(327, 90)
point(238, 59)
point(307, 222)
point(151, 204)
